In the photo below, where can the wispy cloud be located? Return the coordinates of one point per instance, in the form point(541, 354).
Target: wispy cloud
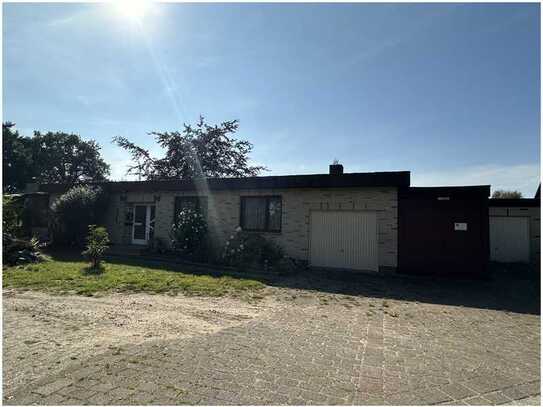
point(78, 17)
point(522, 177)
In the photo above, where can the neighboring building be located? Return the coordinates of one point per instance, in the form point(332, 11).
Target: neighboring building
point(515, 228)
point(336, 220)
point(444, 229)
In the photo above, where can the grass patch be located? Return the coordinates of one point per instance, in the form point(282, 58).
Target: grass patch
point(68, 277)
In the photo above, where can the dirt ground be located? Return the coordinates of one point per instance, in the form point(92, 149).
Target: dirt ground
point(309, 339)
point(47, 332)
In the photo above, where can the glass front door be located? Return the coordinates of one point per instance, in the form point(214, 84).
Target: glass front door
point(144, 223)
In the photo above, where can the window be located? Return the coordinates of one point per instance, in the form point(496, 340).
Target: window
point(198, 203)
point(261, 213)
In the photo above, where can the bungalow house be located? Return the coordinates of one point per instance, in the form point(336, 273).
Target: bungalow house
point(335, 220)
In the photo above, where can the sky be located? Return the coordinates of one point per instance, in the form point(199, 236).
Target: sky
point(450, 92)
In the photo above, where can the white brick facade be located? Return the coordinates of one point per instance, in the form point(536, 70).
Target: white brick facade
point(297, 204)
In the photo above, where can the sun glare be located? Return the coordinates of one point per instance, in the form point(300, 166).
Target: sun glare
point(134, 10)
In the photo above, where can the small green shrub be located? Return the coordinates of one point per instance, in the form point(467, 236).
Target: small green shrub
point(189, 234)
point(97, 244)
point(74, 211)
point(244, 249)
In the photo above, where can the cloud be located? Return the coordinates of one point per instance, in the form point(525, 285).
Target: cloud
point(523, 177)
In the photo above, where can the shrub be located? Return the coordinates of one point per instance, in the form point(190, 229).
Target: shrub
point(189, 234)
point(12, 213)
point(245, 249)
point(74, 211)
point(97, 244)
point(18, 251)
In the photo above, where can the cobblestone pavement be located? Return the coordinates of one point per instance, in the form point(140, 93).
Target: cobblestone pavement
point(373, 341)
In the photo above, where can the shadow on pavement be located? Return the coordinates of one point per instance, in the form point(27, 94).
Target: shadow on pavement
point(513, 288)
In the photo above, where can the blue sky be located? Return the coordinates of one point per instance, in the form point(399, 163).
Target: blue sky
point(450, 92)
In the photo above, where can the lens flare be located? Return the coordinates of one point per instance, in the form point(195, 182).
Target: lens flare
point(134, 10)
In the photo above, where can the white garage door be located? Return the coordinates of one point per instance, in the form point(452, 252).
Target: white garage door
point(509, 239)
point(346, 239)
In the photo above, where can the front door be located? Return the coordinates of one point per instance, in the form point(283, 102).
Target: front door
point(144, 224)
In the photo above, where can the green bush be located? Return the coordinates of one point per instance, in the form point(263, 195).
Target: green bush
point(97, 244)
point(12, 213)
point(74, 211)
point(18, 251)
point(189, 234)
point(248, 249)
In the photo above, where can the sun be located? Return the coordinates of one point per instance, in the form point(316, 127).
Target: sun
point(134, 10)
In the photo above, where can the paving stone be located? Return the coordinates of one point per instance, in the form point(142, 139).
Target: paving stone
point(432, 353)
point(457, 391)
point(497, 397)
point(521, 391)
point(52, 387)
point(431, 396)
point(528, 401)
point(477, 401)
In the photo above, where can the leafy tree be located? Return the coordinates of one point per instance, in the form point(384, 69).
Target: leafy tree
point(17, 159)
point(197, 151)
point(49, 158)
point(74, 211)
point(67, 159)
point(501, 194)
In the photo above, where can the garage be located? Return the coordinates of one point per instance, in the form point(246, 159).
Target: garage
point(515, 230)
point(509, 239)
point(344, 240)
point(443, 230)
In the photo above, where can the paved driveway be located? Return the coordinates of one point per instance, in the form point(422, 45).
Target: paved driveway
point(359, 341)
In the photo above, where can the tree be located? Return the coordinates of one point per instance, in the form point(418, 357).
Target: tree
point(199, 151)
point(49, 158)
point(502, 194)
point(67, 159)
point(17, 160)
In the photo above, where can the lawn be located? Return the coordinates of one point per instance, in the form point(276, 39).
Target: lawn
point(73, 277)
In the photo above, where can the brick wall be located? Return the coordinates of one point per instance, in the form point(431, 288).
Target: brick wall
point(224, 211)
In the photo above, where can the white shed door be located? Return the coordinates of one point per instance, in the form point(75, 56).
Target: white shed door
point(345, 239)
point(509, 239)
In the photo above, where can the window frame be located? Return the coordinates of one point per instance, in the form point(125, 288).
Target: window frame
point(267, 198)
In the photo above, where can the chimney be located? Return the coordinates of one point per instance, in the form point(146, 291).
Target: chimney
point(336, 169)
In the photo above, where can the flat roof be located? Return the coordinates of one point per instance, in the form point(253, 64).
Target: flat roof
point(347, 180)
point(515, 203)
point(479, 191)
